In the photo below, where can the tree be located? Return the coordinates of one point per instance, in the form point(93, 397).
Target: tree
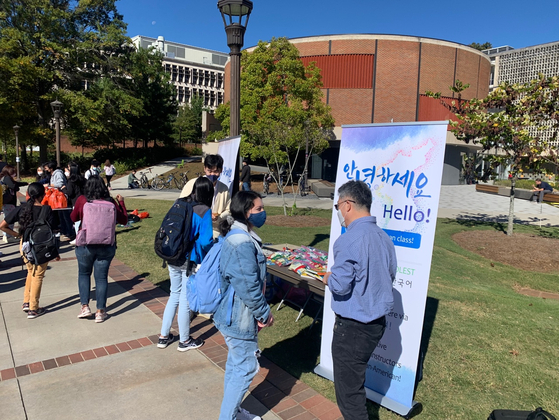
point(515, 125)
point(188, 123)
point(481, 47)
point(50, 48)
point(150, 83)
point(281, 108)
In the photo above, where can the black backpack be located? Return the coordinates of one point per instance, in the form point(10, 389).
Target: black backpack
point(172, 241)
point(42, 241)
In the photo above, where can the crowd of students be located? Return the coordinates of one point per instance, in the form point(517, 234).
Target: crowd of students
point(215, 213)
point(67, 223)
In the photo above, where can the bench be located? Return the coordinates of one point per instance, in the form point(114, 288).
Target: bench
point(519, 193)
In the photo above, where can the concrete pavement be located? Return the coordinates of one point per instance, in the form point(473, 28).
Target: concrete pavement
point(60, 367)
point(456, 201)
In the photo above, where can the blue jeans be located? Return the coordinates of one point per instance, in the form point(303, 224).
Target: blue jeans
point(96, 259)
point(246, 186)
point(178, 299)
point(241, 367)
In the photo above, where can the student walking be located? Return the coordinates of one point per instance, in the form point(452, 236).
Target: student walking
point(26, 215)
point(109, 172)
point(243, 271)
point(201, 233)
point(96, 242)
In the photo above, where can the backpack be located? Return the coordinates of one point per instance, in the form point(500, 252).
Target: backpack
point(172, 241)
point(538, 414)
point(203, 288)
point(42, 243)
point(98, 224)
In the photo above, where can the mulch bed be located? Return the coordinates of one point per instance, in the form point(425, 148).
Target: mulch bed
point(523, 251)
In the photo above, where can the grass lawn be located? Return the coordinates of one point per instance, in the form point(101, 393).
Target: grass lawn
point(486, 346)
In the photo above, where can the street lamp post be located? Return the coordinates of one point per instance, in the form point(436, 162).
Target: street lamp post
point(16, 131)
point(56, 108)
point(233, 12)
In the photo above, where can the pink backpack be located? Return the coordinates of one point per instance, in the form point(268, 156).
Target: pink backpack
point(98, 224)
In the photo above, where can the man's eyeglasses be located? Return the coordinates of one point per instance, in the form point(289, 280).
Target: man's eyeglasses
point(339, 204)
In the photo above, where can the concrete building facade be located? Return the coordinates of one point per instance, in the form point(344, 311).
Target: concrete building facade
point(370, 78)
point(194, 71)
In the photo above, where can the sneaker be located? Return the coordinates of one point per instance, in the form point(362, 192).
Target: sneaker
point(164, 342)
point(25, 307)
point(190, 344)
point(101, 316)
point(243, 414)
point(34, 314)
point(85, 312)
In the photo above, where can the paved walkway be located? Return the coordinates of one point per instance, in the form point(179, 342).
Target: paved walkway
point(60, 367)
point(456, 201)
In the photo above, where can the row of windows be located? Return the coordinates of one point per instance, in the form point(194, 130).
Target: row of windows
point(211, 98)
point(194, 76)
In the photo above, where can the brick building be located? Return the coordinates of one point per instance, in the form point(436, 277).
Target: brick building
point(371, 78)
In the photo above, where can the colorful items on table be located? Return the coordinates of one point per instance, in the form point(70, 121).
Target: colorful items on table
point(306, 261)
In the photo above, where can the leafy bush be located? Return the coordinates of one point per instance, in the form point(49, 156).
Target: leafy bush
point(521, 183)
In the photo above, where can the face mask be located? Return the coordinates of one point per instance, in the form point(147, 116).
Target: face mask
point(213, 178)
point(341, 218)
point(40, 173)
point(258, 219)
point(67, 173)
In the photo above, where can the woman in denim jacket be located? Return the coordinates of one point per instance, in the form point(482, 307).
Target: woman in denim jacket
point(243, 307)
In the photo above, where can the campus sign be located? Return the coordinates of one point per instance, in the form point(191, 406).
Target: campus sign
point(402, 164)
point(228, 149)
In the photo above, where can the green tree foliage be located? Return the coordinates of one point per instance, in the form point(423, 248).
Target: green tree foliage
point(281, 106)
point(515, 125)
point(481, 47)
point(44, 48)
point(150, 83)
point(187, 127)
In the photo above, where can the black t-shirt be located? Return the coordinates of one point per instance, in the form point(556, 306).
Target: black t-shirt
point(545, 186)
point(13, 216)
point(245, 174)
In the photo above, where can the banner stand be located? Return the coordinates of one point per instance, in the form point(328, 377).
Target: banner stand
point(402, 164)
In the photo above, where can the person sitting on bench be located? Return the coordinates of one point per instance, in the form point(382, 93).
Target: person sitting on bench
point(540, 188)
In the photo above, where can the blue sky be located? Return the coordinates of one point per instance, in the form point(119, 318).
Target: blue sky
point(198, 23)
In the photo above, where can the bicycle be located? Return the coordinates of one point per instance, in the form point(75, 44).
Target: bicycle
point(144, 181)
point(266, 183)
point(158, 184)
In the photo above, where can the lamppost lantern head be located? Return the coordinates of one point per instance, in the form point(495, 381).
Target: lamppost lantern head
point(56, 108)
point(235, 10)
point(16, 129)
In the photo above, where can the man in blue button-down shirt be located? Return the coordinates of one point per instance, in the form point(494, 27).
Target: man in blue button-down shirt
point(361, 285)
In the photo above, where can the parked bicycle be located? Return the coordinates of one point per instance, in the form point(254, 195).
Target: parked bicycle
point(172, 182)
point(144, 181)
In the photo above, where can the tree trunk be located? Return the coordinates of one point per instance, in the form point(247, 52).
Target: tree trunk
point(511, 207)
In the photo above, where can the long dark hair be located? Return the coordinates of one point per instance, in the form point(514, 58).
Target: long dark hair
point(36, 192)
point(241, 204)
point(75, 173)
point(203, 191)
point(95, 189)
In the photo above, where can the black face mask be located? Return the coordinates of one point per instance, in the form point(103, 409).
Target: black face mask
point(212, 178)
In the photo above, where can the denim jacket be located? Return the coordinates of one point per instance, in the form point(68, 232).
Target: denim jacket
point(243, 272)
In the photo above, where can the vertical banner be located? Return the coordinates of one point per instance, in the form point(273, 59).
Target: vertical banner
point(228, 149)
point(402, 164)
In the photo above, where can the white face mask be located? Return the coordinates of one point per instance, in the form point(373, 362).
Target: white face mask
point(341, 218)
point(67, 173)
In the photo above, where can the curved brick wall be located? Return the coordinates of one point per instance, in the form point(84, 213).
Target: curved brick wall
point(379, 78)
